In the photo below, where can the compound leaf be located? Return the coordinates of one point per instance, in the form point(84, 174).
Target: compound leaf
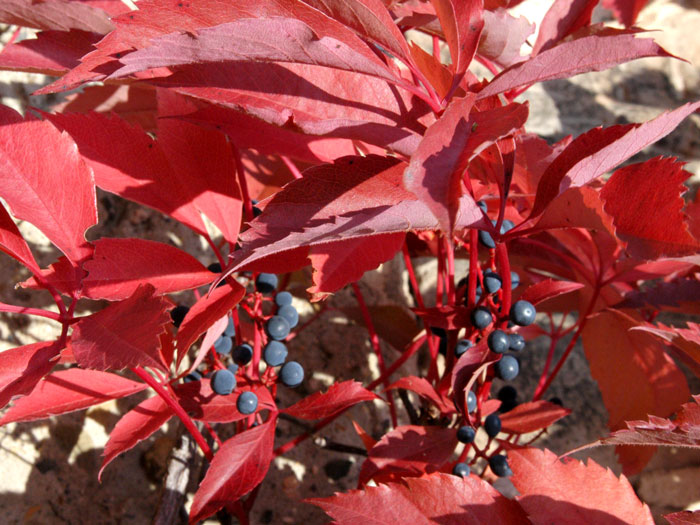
point(21, 368)
point(339, 397)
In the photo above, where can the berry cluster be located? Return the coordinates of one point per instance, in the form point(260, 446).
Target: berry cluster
point(502, 338)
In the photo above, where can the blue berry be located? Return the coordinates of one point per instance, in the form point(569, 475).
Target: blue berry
point(178, 314)
point(242, 354)
point(471, 402)
point(266, 282)
point(233, 368)
point(492, 281)
point(247, 403)
point(466, 434)
point(462, 346)
point(223, 345)
point(499, 466)
point(223, 382)
point(486, 239)
point(230, 330)
point(275, 353)
point(514, 280)
point(192, 376)
point(522, 313)
point(492, 425)
point(498, 341)
point(291, 374)
point(283, 299)
point(481, 317)
point(482, 205)
point(507, 368)
point(516, 342)
point(461, 469)
point(277, 327)
point(506, 226)
point(290, 314)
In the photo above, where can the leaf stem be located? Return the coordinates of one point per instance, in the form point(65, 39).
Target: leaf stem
point(374, 340)
point(292, 167)
point(177, 409)
point(247, 203)
point(30, 311)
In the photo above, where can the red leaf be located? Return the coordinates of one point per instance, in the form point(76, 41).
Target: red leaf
point(408, 451)
point(61, 275)
point(503, 36)
point(339, 397)
point(128, 162)
point(237, 468)
point(46, 182)
point(686, 341)
point(337, 264)
point(369, 19)
point(684, 431)
point(547, 289)
point(251, 39)
point(651, 382)
point(367, 440)
point(61, 15)
point(119, 266)
point(625, 11)
point(337, 104)
point(465, 371)
point(436, 168)
point(204, 313)
point(353, 197)
point(679, 295)
point(13, 244)
point(655, 226)
point(247, 131)
point(588, 53)
point(435, 498)
point(532, 416)
point(125, 334)
point(571, 492)
point(70, 390)
point(424, 389)
point(561, 20)
point(135, 426)
point(448, 317)
point(462, 22)
point(50, 53)
point(684, 517)
point(392, 322)
point(599, 150)
point(201, 403)
point(23, 367)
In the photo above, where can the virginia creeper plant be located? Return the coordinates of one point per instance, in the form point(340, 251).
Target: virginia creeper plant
point(359, 146)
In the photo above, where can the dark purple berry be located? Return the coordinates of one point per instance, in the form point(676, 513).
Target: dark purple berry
point(482, 205)
point(462, 346)
point(291, 374)
point(223, 345)
point(242, 354)
point(247, 403)
point(466, 434)
point(492, 425)
point(223, 382)
point(556, 401)
point(461, 470)
point(522, 313)
point(275, 353)
point(266, 283)
point(283, 299)
point(507, 393)
point(514, 280)
point(481, 317)
point(486, 239)
point(506, 226)
point(230, 330)
point(233, 368)
point(498, 341)
point(290, 314)
point(499, 466)
point(471, 402)
point(192, 376)
point(492, 281)
point(277, 327)
point(507, 368)
point(178, 314)
point(214, 267)
point(516, 342)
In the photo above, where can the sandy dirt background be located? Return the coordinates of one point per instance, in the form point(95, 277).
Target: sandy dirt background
point(49, 468)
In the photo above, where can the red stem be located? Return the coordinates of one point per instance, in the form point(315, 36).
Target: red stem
point(30, 311)
point(247, 203)
point(179, 411)
point(449, 249)
point(504, 265)
point(412, 277)
point(374, 340)
point(292, 167)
